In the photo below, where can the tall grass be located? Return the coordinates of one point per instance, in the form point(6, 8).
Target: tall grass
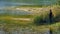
point(42, 18)
point(56, 12)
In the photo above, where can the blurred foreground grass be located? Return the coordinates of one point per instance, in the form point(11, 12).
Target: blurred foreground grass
point(9, 25)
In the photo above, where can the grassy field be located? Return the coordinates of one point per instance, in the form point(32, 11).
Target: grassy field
point(8, 23)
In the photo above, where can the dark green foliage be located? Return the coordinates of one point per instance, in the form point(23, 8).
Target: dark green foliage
point(39, 20)
point(45, 18)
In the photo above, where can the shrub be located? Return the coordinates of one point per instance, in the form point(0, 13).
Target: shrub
point(41, 19)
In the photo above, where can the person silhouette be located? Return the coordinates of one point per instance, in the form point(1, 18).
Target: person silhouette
point(51, 16)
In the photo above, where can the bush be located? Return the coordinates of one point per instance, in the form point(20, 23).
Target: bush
point(42, 19)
